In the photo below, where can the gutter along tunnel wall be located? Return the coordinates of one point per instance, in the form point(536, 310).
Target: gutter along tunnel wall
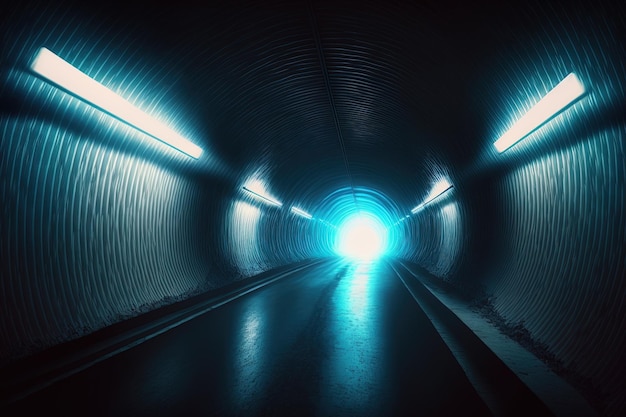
point(322, 108)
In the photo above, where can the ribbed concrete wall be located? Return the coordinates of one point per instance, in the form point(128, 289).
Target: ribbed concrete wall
point(559, 201)
point(256, 237)
point(90, 235)
point(100, 223)
point(545, 241)
point(438, 236)
point(562, 263)
point(544, 229)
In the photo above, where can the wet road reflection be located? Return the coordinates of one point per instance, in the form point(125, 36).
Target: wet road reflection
point(249, 378)
point(334, 339)
point(354, 367)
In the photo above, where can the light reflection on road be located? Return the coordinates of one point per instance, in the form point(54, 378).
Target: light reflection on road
point(249, 379)
point(353, 371)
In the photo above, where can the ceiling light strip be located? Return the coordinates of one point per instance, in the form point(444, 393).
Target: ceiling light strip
point(560, 97)
point(300, 212)
point(439, 189)
point(263, 198)
point(59, 72)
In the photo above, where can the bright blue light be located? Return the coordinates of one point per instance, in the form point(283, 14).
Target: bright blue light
point(362, 236)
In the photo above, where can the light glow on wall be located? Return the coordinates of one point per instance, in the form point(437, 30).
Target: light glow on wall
point(261, 197)
point(242, 233)
point(63, 74)
point(565, 93)
point(441, 187)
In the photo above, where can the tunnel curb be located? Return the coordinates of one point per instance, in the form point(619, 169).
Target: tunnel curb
point(556, 393)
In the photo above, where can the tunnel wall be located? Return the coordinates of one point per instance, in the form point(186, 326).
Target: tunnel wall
point(544, 229)
point(558, 228)
point(561, 256)
point(93, 234)
point(90, 236)
point(542, 242)
point(438, 231)
point(99, 222)
point(258, 237)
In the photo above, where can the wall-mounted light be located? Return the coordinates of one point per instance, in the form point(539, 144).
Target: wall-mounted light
point(300, 212)
point(59, 72)
point(263, 198)
point(400, 220)
point(560, 97)
point(327, 223)
point(438, 189)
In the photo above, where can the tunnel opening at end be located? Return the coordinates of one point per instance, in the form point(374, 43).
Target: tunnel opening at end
point(361, 237)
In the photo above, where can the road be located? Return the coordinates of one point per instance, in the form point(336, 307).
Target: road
point(335, 339)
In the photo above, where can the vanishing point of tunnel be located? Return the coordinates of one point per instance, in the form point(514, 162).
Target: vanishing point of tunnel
point(313, 208)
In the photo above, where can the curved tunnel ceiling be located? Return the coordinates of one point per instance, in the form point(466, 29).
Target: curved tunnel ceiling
point(332, 107)
point(317, 96)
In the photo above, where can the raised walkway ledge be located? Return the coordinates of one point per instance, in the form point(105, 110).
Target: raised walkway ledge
point(27, 375)
point(552, 390)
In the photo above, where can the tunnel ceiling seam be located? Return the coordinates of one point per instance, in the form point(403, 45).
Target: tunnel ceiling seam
point(331, 100)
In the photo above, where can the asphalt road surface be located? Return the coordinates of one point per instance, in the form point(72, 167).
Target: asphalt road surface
point(336, 339)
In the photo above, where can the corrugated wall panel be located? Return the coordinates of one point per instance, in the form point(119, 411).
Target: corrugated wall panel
point(91, 235)
point(439, 231)
point(562, 268)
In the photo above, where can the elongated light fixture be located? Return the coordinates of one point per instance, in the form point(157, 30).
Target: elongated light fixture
point(59, 72)
point(438, 189)
point(300, 212)
point(565, 93)
point(327, 223)
point(263, 197)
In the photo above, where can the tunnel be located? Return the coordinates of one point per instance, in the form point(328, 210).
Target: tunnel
point(313, 207)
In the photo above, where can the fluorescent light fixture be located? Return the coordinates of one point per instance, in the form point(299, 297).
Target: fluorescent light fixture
point(54, 69)
point(439, 188)
point(328, 223)
point(301, 212)
point(263, 198)
point(565, 93)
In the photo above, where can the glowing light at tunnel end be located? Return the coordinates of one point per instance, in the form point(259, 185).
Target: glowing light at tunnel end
point(362, 237)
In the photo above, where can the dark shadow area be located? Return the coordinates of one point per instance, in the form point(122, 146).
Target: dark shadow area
point(519, 333)
point(482, 303)
point(24, 373)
